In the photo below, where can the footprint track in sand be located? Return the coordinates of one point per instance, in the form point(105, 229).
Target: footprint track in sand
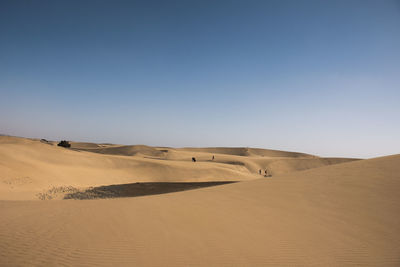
point(18, 181)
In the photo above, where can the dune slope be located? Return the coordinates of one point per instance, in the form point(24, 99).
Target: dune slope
point(29, 167)
point(339, 215)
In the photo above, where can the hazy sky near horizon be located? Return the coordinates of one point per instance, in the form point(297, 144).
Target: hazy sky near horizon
point(320, 77)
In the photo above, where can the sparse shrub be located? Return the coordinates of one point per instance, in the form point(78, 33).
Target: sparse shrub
point(64, 143)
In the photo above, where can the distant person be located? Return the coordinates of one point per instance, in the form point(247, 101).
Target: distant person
point(194, 159)
point(213, 157)
point(259, 171)
point(266, 173)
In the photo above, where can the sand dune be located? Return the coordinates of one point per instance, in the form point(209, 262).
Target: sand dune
point(29, 167)
point(244, 151)
point(125, 150)
point(338, 215)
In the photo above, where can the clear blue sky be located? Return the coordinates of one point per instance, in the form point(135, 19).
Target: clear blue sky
point(321, 77)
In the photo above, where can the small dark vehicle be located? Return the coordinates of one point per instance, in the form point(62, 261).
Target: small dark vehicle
point(64, 143)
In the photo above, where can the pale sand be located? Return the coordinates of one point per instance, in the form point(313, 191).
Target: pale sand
point(339, 215)
point(29, 167)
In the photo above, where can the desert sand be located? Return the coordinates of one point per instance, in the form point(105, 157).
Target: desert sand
point(312, 211)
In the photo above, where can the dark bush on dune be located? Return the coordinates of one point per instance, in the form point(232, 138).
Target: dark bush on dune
point(64, 143)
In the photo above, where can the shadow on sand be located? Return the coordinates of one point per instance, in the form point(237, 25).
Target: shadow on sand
point(138, 189)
